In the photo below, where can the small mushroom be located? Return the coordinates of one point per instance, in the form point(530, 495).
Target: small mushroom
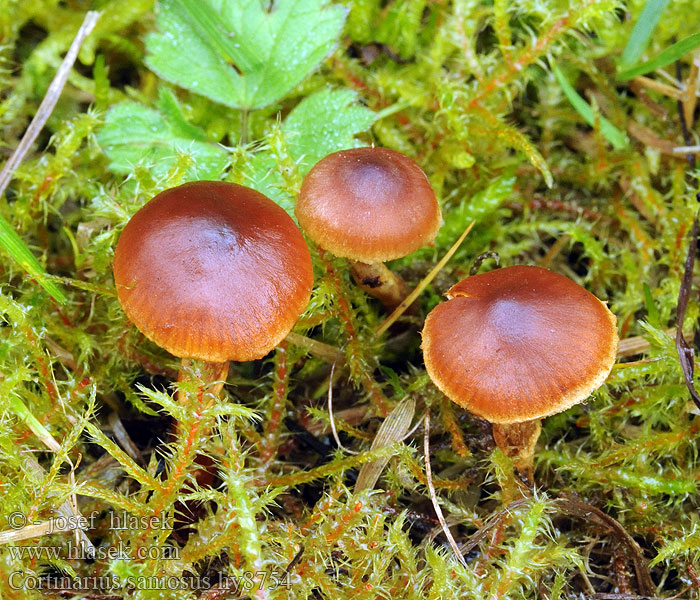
point(518, 344)
point(213, 271)
point(369, 205)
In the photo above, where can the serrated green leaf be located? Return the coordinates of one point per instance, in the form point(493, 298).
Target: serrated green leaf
point(135, 134)
point(324, 123)
point(236, 52)
point(167, 104)
point(663, 58)
point(611, 133)
point(17, 249)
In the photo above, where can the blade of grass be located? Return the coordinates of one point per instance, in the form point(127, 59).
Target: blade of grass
point(34, 424)
point(663, 58)
point(611, 133)
point(17, 249)
point(643, 28)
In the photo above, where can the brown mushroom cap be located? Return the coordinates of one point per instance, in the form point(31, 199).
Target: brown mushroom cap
point(213, 271)
point(519, 343)
point(368, 204)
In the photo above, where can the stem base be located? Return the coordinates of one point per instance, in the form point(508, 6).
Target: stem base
point(211, 374)
point(518, 441)
point(381, 283)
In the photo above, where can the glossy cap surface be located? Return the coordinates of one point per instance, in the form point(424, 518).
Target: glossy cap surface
point(214, 271)
point(368, 204)
point(519, 343)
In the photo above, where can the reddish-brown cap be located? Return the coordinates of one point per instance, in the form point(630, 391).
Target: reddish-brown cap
point(368, 204)
point(519, 343)
point(213, 271)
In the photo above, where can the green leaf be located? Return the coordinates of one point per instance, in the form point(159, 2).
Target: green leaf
point(36, 427)
point(135, 134)
point(643, 28)
point(17, 249)
point(167, 104)
point(237, 53)
point(611, 133)
point(324, 123)
point(663, 58)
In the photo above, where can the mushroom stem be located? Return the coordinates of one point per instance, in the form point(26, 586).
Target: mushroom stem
point(211, 374)
point(380, 282)
point(517, 441)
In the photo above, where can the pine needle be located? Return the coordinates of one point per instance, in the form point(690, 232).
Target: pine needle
point(401, 308)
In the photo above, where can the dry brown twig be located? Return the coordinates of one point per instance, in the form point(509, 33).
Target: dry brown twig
point(49, 102)
point(589, 513)
point(433, 495)
point(657, 86)
point(331, 418)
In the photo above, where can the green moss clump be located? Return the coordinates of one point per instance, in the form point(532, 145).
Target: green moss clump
point(519, 116)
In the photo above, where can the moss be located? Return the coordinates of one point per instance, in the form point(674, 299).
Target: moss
point(251, 491)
